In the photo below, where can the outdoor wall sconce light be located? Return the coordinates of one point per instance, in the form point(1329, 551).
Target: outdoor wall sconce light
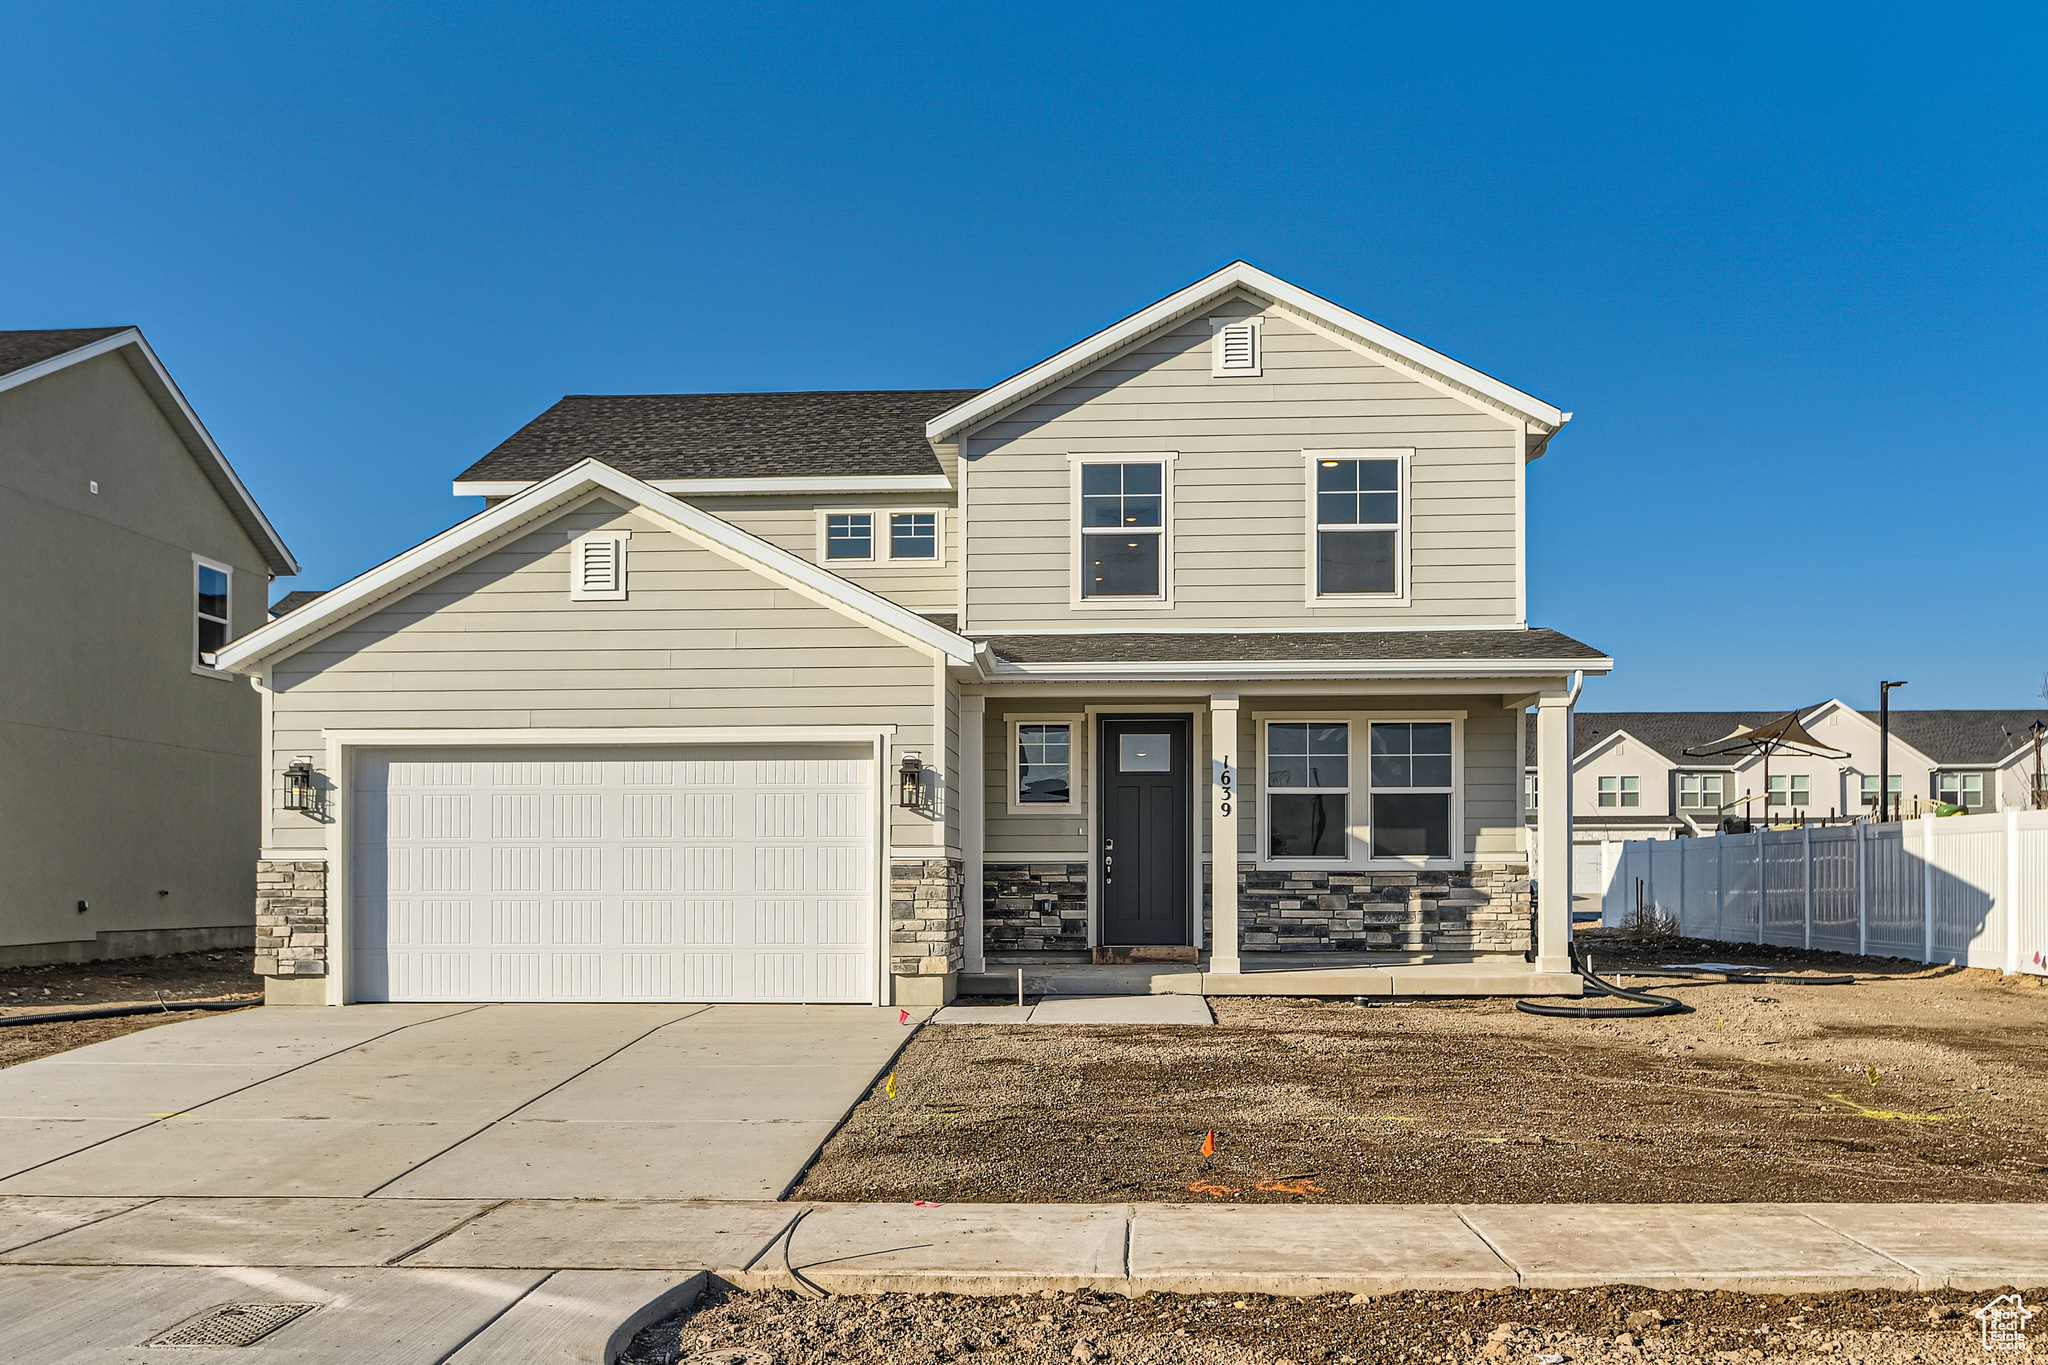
point(910, 783)
point(298, 785)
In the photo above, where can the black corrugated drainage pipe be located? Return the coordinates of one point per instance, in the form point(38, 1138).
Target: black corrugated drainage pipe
point(117, 1011)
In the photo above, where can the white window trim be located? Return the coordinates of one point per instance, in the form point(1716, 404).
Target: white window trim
point(1077, 742)
point(1358, 837)
point(1165, 460)
point(1257, 369)
point(1788, 803)
point(577, 592)
point(1404, 456)
point(192, 608)
point(1720, 793)
point(882, 545)
point(1958, 774)
point(1619, 792)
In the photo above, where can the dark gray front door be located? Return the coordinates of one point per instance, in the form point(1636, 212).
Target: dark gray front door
point(1144, 854)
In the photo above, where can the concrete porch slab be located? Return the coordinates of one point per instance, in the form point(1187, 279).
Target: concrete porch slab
point(949, 1249)
point(1773, 1249)
point(1303, 1250)
point(1103, 1009)
point(1949, 1246)
point(610, 1235)
point(581, 1317)
point(25, 1221)
point(265, 1232)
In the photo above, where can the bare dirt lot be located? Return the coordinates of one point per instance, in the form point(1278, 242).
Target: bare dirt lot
point(1594, 1326)
point(57, 987)
point(1914, 1084)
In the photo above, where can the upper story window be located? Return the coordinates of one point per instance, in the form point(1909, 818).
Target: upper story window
point(1701, 791)
point(1621, 791)
point(1123, 530)
point(211, 592)
point(913, 535)
point(849, 535)
point(1961, 789)
point(1358, 525)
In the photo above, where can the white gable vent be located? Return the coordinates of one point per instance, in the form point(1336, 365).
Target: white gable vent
point(597, 567)
point(1235, 343)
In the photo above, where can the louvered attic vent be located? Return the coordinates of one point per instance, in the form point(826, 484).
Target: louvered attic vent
point(597, 567)
point(1236, 343)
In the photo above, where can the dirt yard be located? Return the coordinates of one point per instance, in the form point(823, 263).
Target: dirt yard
point(57, 987)
point(1616, 1326)
point(1911, 1085)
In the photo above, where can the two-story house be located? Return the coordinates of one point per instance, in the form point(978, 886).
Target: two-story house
point(841, 696)
point(129, 760)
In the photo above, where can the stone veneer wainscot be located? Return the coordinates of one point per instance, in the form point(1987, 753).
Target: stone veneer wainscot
point(1034, 907)
point(927, 917)
point(291, 918)
point(1281, 910)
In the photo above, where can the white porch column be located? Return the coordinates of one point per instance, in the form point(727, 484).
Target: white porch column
point(973, 798)
point(1223, 804)
point(1554, 831)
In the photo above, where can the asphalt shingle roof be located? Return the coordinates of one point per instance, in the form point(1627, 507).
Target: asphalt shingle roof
point(1958, 738)
point(728, 435)
point(1270, 647)
point(292, 601)
point(19, 350)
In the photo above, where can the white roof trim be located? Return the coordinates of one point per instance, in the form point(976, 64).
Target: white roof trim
point(1239, 275)
point(838, 483)
point(157, 380)
point(400, 574)
point(997, 668)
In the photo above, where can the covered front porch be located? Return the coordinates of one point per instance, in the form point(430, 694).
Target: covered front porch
point(1377, 823)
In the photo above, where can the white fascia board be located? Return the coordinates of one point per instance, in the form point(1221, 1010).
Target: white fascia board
point(400, 573)
point(851, 483)
point(1250, 671)
point(1614, 737)
point(162, 388)
point(1197, 295)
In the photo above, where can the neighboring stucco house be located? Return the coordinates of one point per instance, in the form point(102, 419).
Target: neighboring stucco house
point(848, 696)
point(1632, 778)
point(129, 763)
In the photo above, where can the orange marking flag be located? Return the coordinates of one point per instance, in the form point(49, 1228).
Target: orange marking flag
point(1209, 1144)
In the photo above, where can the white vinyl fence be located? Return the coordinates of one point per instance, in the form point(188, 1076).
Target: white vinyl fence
point(1970, 890)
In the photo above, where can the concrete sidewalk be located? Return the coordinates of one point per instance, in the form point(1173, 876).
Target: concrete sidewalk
point(86, 1281)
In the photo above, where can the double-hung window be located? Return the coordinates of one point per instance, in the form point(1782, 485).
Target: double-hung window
point(1044, 763)
point(1308, 789)
point(1357, 526)
point(1621, 791)
point(1896, 781)
point(913, 535)
point(1411, 789)
point(849, 535)
point(1529, 791)
point(1961, 789)
point(1788, 789)
point(1700, 791)
point(1123, 530)
point(210, 594)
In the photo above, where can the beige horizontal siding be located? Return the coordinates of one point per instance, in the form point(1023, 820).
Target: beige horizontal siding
point(699, 642)
point(792, 524)
point(1240, 486)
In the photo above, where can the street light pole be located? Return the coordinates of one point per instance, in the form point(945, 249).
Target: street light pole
point(1884, 748)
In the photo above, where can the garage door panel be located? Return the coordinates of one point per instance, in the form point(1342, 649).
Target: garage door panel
point(615, 875)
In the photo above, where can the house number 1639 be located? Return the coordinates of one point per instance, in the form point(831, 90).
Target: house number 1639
point(1226, 778)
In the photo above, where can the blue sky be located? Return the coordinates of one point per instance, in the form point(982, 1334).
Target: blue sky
point(1785, 264)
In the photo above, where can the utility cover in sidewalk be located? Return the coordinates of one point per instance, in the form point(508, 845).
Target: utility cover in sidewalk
point(234, 1324)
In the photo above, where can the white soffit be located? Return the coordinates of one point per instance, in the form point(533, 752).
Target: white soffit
point(1238, 275)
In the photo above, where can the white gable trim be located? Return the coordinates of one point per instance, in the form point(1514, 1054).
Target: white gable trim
point(157, 381)
point(404, 573)
point(1238, 275)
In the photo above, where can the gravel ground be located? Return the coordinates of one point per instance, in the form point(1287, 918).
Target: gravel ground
point(223, 975)
point(1760, 1093)
point(1611, 1326)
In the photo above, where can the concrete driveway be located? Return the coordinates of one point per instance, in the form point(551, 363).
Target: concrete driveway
point(442, 1183)
point(446, 1102)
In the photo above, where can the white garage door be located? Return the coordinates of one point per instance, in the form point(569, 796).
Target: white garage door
point(740, 873)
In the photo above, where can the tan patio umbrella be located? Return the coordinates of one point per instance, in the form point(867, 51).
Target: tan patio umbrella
point(1785, 735)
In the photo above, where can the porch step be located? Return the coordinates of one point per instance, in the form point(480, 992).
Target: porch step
point(1296, 977)
point(1083, 978)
